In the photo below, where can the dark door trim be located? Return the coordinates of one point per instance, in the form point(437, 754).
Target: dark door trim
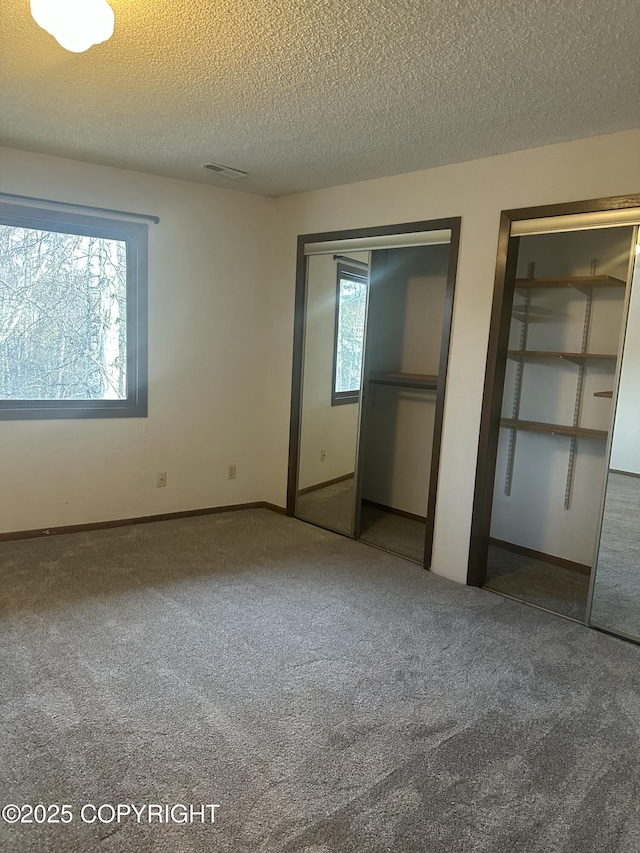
point(453, 224)
point(496, 364)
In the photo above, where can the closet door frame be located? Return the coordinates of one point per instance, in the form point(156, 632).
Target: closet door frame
point(498, 345)
point(452, 224)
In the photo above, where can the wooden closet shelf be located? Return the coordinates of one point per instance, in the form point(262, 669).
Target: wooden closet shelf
point(603, 394)
point(569, 281)
point(406, 380)
point(572, 356)
point(554, 429)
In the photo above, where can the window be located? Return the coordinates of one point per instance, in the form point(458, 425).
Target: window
point(351, 305)
point(72, 315)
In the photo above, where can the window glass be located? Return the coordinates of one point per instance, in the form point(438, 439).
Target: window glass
point(63, 315)
point(352, 299)
point(72, 315)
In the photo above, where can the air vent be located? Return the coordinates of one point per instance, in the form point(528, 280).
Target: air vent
point(227, 171)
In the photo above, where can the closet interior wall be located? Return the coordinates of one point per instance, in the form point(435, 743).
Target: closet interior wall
point(404, 335)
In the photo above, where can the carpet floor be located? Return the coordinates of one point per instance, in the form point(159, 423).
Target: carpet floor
point(332, 507)
point(402, 536)
point(329, 696)
point(537, 582)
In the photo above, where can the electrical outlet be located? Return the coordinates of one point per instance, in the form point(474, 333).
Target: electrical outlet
point(161, 479)
point(231, 472)
point(323, 455)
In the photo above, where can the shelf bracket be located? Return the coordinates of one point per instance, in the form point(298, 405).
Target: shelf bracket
point(568, 491)
point(510, 460)
point(577, 408)
point(517, 394)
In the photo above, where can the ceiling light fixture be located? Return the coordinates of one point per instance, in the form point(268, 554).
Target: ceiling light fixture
point(75, 24)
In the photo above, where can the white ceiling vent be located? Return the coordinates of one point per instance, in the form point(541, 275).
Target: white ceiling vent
point(227, 171)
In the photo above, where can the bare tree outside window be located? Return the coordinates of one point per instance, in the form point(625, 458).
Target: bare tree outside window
point(63, 329)
point(351, 309)
point(71, 325)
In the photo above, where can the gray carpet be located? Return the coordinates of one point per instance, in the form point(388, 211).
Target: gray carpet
point(536, 582)
point(616, 600)
point(330, 506)
point(403, 536)
point(329, 696)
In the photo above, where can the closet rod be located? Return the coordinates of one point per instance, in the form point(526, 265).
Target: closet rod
point(71, 205)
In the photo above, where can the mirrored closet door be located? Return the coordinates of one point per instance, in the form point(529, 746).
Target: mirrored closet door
point(615, 604)
point(560, 311)
point(337, 291)
point(372, 337)
point(565, 327)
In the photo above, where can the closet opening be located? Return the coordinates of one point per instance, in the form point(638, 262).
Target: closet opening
point(372, 330)
point(563, 282)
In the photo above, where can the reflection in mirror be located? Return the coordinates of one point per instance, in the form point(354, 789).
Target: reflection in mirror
point(351, 304)
point(564, 333)
point(616, 594)
point(372, 477)
point(335, 311)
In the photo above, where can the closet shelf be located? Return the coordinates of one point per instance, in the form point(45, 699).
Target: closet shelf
point(406, 380)
point(571, 356)
point(554, 429)
point(531, 311)
point(569, 281)
point(603, 394)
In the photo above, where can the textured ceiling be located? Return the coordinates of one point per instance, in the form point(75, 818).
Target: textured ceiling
point(312, 93)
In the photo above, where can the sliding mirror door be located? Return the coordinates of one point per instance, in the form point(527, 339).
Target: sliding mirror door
point(616, 592)
point(334, 323)
point(561, 298)
point(566, 318)
point(378, 344)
